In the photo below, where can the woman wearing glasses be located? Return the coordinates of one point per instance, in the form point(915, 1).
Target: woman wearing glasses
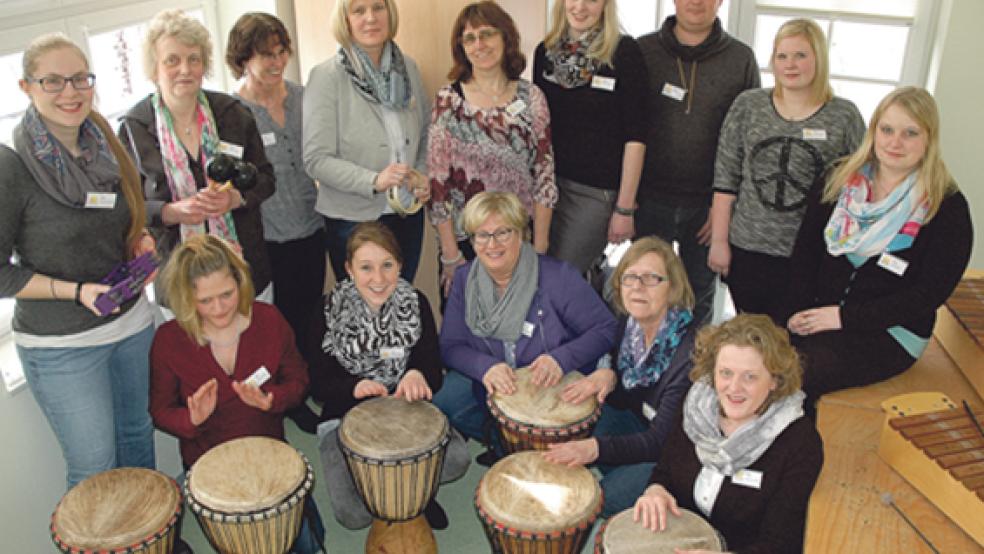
point(646, 375)
point(490, 130)
point(72, 210)
point(512, 308)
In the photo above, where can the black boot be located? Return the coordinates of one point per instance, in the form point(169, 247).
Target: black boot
point(181, 547)
point(304, 418)
point(435, 515)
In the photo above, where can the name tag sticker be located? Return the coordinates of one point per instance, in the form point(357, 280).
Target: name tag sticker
point(100, 200)
point(516, 107)
point(647, 411)
point(528, 329)
point(672, 91)
point(893, 263)
point(269, 139)
point(603, 83)
point(231, 149)
point(391, 353)
point(258, 377)
point(814, 134)
point(748, 478)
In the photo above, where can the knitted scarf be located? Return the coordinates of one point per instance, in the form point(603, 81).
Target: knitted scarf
point(502, 318)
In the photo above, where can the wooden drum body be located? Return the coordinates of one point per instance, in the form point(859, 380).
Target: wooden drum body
point(534, 417)
point(248, 495)
point(120, 511)
point(621, 535)
point(528, 505)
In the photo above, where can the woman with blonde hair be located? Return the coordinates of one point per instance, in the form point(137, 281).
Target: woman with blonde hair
point(879, 251)
point(72, 211)
point(595, 81)
point(776, 146)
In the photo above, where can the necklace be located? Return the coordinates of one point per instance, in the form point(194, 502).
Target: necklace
point(494, 97)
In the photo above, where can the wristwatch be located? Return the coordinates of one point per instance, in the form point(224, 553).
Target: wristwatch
point(623, 211)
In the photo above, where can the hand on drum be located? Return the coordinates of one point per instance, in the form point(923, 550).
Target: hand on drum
point(201, 404)
point(573, 453)
point(653, 507)
point(413, 386)
point(500, 378)
point(252, 396)
point(815, 320)
point(367, 388)
point(599, 384)
point(546, 371)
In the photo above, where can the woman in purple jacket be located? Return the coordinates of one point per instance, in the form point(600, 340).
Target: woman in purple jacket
point(513, 308)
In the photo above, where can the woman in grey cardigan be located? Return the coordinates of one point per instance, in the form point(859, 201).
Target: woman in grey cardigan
point(365, 132)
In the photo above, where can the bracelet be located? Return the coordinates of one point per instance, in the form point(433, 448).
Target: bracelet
point(623, 211)
point(456, 259)
point(51, 287)
point(78, 294)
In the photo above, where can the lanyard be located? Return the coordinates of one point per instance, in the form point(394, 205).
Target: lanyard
point(693, 82)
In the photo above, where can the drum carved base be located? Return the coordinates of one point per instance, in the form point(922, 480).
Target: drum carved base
point(405, 537)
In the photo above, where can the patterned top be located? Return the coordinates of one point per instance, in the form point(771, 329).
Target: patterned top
point(507, 149)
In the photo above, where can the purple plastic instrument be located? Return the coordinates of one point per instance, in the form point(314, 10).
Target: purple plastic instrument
point(127, 280)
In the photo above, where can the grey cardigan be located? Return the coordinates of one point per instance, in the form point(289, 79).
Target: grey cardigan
point(345, 141)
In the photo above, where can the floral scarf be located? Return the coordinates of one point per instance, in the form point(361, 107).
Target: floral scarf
point(177, 166)
point(357, 336)
point(568, 64)
point(641, 365)
point(389, 85)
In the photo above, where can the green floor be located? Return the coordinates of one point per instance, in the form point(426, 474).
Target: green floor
point(464, 535)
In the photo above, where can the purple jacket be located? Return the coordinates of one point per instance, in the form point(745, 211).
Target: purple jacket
point(571, 323)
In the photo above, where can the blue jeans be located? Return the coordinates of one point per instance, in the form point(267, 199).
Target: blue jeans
point(96, 401)
point(680, 224)
point(457, 400)
point(622, 484)
point(409, 233)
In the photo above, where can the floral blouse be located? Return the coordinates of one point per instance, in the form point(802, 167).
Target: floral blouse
point(506, 148)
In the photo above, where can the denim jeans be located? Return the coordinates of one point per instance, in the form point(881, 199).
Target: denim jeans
point(409, 233)
point(622, 484)
point(457, 400)
point(680, 224)
point(96, 401)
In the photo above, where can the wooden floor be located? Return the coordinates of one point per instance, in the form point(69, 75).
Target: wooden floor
point(846, 512)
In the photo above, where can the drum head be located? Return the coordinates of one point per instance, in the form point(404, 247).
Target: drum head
point(389, 428)
point(524, 491)
point(543, 407)
point(116, 509)
point(688, 532)
point(246, 475)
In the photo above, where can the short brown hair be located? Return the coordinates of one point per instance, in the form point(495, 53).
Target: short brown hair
point(252, 34)
point(760, 333)
point(376, 233)
point(681, 294)
point(486, 13)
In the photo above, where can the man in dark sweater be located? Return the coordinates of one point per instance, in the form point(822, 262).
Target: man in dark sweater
point(696, 70)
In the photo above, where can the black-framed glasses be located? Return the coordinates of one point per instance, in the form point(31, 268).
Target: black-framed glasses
point(56, 83)
point(647, 279)
point(501, 236)
point(484, 35)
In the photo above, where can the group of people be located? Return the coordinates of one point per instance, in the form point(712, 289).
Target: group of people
point(843, 238)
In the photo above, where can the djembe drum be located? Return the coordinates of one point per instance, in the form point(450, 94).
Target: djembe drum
point(395, 452)
point(248, 495)
point(621, 535)
point(534, 417)
point(126, 510)
point(531, 506)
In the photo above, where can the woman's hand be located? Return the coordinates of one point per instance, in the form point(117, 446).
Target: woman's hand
point(202, 402)
point(89, 292)
point(216, 200)
point(546, 371)
point(188, 211)
point(541, 243)
point(500, 378)
point(413, 386)
point(653, 508)
point(391, 176)
point(419, 185)
point(719, 257)
point(252, 396)
point(447, 272)
point(815, 320)
point(620, 228)
point(145, 244)
point(599, 384)
point(367, 388)
point(573, 453)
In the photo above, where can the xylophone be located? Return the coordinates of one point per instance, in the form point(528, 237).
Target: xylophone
point(960, 328)
point(935, 446)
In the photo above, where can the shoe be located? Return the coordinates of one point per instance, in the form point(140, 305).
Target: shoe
point(435, 516)
point(487, 458)
point(304, 418)
point(181, 547)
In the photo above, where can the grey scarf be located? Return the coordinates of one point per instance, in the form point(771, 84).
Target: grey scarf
point(727, 455)
point(501, 318)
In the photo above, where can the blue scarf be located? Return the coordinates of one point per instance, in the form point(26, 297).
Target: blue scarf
point(641, 367)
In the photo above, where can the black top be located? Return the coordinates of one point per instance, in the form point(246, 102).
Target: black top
point(590, 125)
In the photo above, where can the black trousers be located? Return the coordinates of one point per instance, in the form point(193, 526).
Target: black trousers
point(758, 282)
point(298, 280)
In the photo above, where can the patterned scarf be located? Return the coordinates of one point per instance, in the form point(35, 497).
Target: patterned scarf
point(389, 85)
point(862, 229)
point(568, 64)
point(64, 179)
point(727, 455)
point(177, 166)
point(641, 366)
point(356, 335)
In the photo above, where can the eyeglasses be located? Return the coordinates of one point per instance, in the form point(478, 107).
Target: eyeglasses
point(647, 279)
point(56, 83)
point(502, 236)
point(484, 35)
